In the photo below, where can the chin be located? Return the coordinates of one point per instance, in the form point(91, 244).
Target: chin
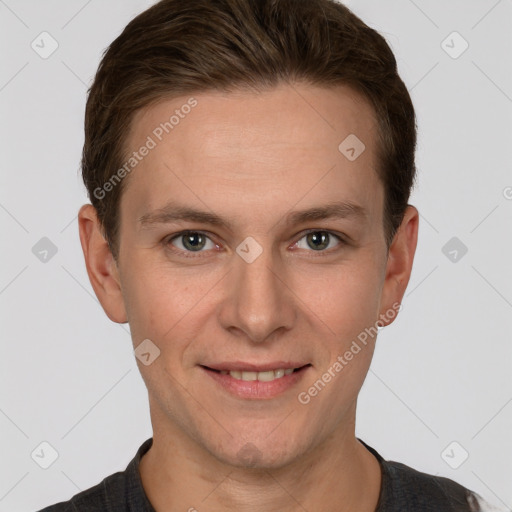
point(263, 455)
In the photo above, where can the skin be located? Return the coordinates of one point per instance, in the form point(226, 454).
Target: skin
point(253, 158)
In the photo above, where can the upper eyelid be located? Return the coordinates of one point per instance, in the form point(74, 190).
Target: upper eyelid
point(186, 231)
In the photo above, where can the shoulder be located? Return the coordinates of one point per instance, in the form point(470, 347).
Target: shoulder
point(405, 488)
point(411, 489)
point(119, 492)
point(103, 496)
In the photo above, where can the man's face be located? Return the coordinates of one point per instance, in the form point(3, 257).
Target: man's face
point(266, 290)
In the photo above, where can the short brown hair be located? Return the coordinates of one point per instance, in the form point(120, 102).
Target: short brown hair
point(180, 47)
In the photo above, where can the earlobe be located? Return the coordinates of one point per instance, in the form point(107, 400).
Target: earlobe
point(101, 266)
point(399, 264)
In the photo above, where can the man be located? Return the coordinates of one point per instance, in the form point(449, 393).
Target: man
point(249, 165)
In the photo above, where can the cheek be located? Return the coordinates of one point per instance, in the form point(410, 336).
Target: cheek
point(167, 307)
point(350, 301)
point(160, 311)
point(155, 301)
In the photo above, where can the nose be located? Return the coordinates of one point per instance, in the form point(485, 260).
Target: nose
point(259, 301)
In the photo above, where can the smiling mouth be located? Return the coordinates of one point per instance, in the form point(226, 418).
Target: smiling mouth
point(264, 376)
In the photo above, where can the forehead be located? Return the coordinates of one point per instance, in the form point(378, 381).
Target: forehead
point(301, 110)
point(254, 150)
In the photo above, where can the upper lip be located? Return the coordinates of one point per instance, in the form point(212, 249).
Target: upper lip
point(252, 367)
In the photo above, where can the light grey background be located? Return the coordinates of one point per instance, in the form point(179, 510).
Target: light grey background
point(441, 372)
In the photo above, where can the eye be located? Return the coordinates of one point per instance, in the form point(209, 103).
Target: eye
point(187, 243)
point(190, 241)
point(318, 240)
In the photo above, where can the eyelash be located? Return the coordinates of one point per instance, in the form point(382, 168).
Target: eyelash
point(190, 254)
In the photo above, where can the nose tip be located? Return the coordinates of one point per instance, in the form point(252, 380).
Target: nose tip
point(258, 303)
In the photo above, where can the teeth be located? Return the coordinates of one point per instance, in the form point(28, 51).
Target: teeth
point(267, 376)
point(261, 376)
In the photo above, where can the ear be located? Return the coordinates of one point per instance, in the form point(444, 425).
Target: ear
point(101, 266)
point(399, 265)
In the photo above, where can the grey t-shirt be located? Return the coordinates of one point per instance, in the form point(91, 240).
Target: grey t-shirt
point(402, 489)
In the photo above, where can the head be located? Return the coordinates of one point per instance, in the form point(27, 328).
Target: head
point(268, 116)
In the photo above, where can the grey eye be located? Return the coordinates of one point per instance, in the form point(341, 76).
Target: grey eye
point(192, 241)
point(318, 240)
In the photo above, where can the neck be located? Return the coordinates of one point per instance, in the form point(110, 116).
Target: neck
point(340, 475)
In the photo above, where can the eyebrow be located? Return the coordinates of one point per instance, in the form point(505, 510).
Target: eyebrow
point(173, 212)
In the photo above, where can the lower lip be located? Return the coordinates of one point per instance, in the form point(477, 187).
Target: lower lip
point(256, 389)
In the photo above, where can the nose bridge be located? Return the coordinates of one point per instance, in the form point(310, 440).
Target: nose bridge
point(259, 302)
